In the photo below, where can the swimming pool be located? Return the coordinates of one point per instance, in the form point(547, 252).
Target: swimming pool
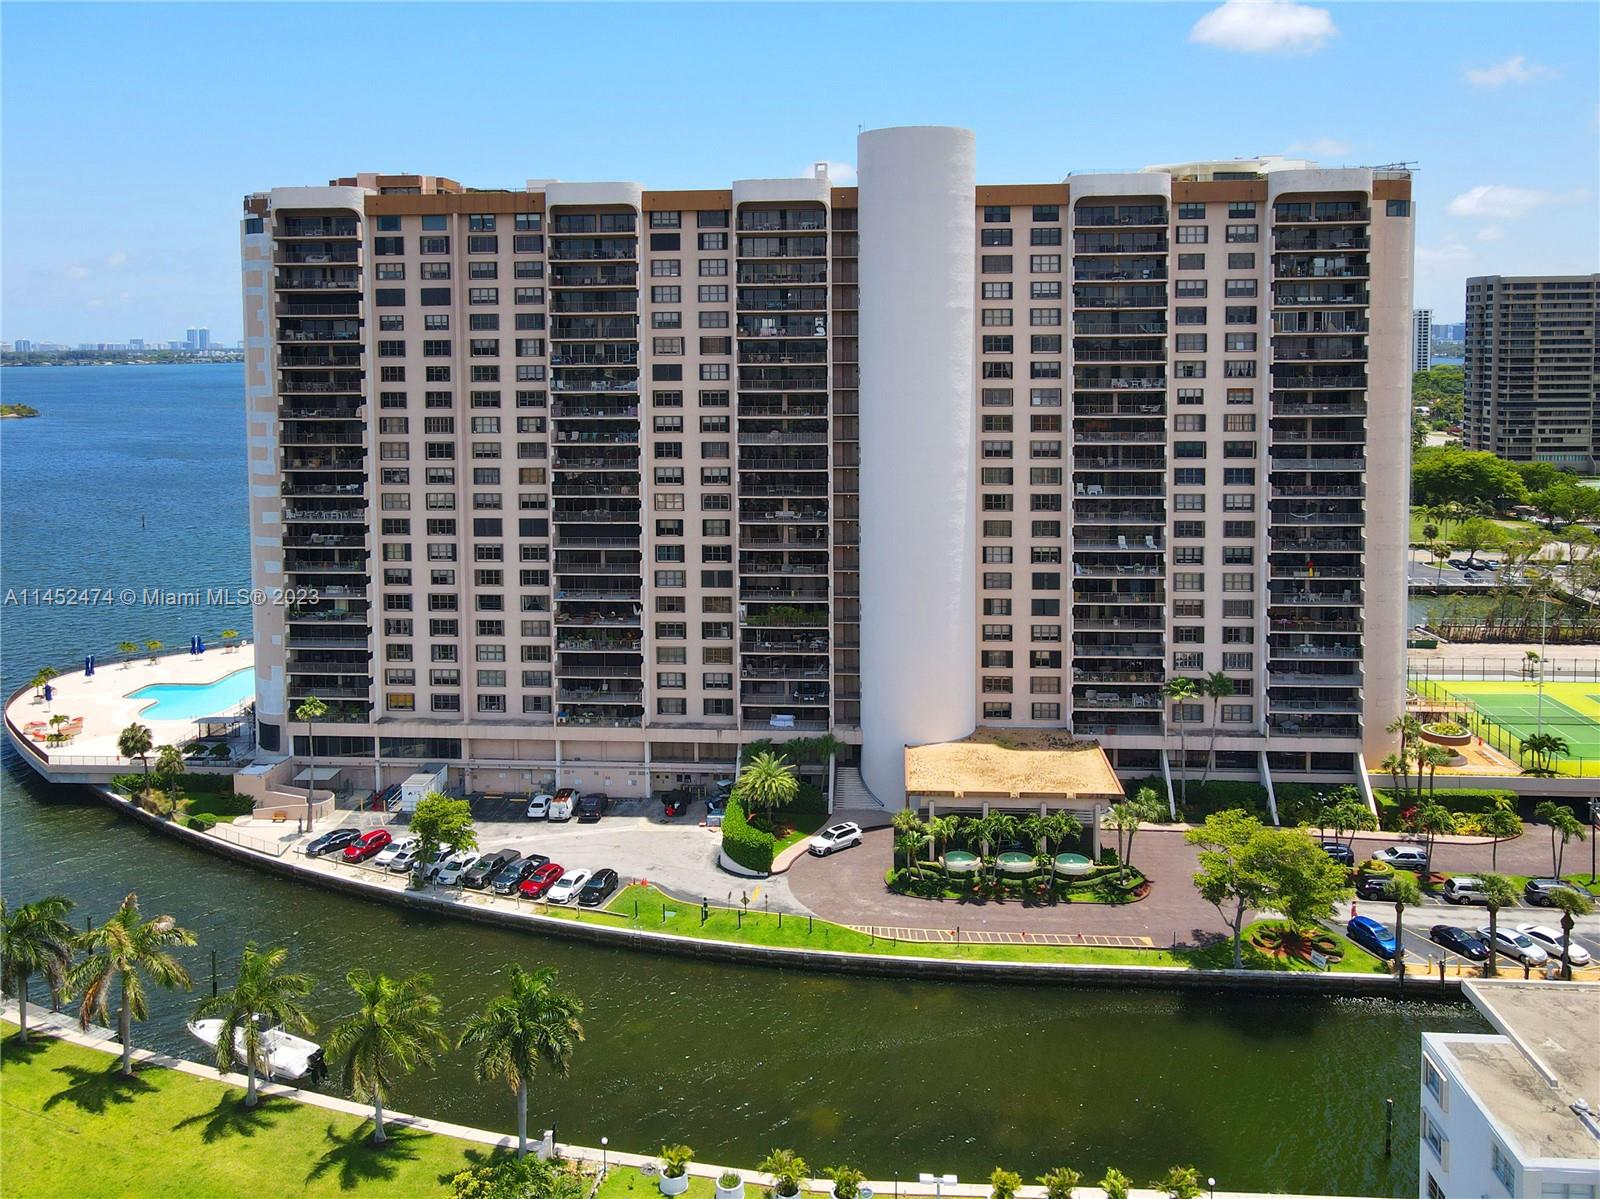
point(190, 701)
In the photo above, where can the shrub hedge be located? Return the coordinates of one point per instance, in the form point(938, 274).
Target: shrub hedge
point(743, 842)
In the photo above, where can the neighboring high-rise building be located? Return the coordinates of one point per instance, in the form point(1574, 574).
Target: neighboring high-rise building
point(1511, 1112)
point(1444, 332)
point(136, 343)
point(1532, 369)
point(594, 483)
point(23, 345)
point(1422, 339)
point(198, 340)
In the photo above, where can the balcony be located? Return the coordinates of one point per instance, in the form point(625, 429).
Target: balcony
point(759, 220)
point(1102, 381)
point(300, 227)
point(782, 274)
point(1355, 465)
point(1322, 727)
point(1320, 213)
point(316, 255)
point(594, 249)
point(1119, 243)
point(588, 618)
point(599, 717)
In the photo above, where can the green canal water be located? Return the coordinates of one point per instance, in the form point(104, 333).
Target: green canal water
point(111, 487)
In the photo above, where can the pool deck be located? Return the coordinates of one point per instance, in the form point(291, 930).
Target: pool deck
point(102, 701)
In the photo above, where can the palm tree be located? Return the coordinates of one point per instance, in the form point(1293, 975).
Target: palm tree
point(169, 769)
point(909, 834)
point(44, 675)
point(153, 648)
point(768, 782)
point(1409, 728)
point(943, 830)
point(906, 845)
point(1432, 757)
point(1500, 822)
point(1573, 903)
point(127, 649)
point(122, 951)
point(1217, 687)
point(1498, 892)
point(1440, 552)
point(133, 742)
point(529, 1025)
point(311, 710)
point(1545, 747)
point(1392, 766)
point(1564, 826)
point(1403, 893)
point(264, 992)
point(35, 938)
point(394, 1030)
point(1177, 691)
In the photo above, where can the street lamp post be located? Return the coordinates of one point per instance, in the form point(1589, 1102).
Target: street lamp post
point(1211, 1184)
point(938, 1181)
point(604, 1141)
point(1544, 619)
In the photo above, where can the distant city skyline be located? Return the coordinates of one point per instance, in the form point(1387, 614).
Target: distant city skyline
point(1498, 105)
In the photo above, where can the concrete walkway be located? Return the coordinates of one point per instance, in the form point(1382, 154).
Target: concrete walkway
point(42, 1022)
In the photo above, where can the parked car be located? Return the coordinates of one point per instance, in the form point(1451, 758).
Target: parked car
point(538, 807)
point(541, 880)
point(1541, 891)
point(562, 804)
point(405, 860)
point(368, 845)
point(1515, 944)
point(1339, 852)
point(1458, 563)
point(1549, 940)
point(485, 869)
point(835, 837)
point(452, 870)
point(674, 803)
point(1371, 936)
point(567, 888)
point(599, 887)
point(1374, 886)
point(1464, 888)
point(721, 790)
point(332, 841)
point(1458, 940)
point(430, 872)
point(510, 878)
point(591, 807)
point(393, 850)
point(1403, 857)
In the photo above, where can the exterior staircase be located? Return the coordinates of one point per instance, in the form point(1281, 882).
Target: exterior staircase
point(850, 792)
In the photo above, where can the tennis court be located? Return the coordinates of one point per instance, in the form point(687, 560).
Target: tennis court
point(1570, 711)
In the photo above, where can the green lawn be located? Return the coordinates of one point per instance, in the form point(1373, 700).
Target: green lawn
point(624, 1182)
point(1446, 529)
point(74, 1127)
point(659, 913)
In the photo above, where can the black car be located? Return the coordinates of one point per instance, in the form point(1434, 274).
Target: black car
point(511, 876)
point(675, 803)
point(485, 869)
point(1339, 852)
point(332, 842)
point(591, 808)
point(600, 885)
point(1459, 940)
point(1374, 886)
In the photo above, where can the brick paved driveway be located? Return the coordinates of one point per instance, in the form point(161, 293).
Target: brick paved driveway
point(848, 888)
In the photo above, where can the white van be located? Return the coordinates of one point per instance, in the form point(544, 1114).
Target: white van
point(563, 803)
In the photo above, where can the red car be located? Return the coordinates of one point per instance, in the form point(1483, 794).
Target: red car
point(370, 844)
point(541, 880)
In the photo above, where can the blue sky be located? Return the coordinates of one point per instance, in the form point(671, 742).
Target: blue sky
point(131, 131)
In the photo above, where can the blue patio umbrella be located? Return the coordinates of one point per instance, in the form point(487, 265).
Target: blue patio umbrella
point(199, 645)
point(49, 693)
point(88, 666)
point(194, 645)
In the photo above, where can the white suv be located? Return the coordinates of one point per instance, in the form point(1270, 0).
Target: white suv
point(835, 836)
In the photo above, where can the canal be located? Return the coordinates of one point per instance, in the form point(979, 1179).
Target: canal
point(135, 476)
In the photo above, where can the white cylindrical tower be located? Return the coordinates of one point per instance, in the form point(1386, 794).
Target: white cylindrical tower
point(919, 673)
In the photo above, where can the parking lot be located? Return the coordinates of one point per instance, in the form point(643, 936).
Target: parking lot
point(634, 838)
point(1454, 575)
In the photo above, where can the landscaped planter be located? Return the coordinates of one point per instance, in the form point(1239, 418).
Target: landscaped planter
point(736, 1191)
point(674, 1186)
point(1428, 734)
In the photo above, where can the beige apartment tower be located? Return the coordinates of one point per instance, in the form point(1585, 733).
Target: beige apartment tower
point(588, 485)
point(1533, 369)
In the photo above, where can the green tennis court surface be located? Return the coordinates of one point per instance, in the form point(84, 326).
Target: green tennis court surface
point(1570, 710)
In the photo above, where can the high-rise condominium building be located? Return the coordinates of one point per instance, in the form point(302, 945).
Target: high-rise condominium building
point(596, 483)
point(1422, 339)
point(198, 339)
point(1533, 368)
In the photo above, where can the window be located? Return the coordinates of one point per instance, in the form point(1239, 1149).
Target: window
point(996, 291)
point(1433, 1136)
point(996, 264)
point(993, 317)
point(1046, 212)
point(1433, 1080)
point(995, 237)
point(1044, 264)
point(1192, 235)
point(1244, 234)
point(1047, 711)
point(1242, 262)
point(1238, 713)
point(1191, 212)
point(1044, 237)
point(1191, 262)
point(996, 214)
point(1400, 208)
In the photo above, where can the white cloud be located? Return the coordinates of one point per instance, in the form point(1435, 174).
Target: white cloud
point(77, 272)
point(1265, 27)
point(1449, 251)
point(1491, 233)
point(841, 174)
point(1516, 69)
point(1496, 201)
point(117, 258)
point(1322, 147)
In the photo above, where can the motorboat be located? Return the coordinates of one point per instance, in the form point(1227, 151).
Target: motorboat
point(287, 1056)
